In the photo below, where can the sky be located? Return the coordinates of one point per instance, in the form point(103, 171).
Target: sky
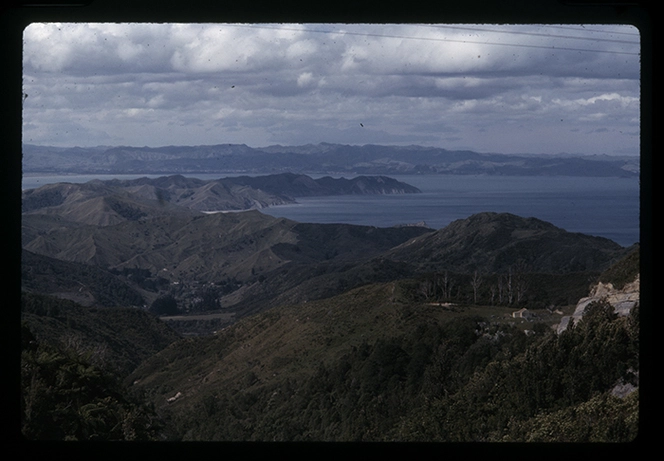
point(514, 89)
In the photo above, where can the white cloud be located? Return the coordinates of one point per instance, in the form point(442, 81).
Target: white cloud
point(148, 84)
point(305, 79)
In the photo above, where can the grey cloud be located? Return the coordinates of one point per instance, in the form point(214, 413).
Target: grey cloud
point(197, 84)
point(315, 133)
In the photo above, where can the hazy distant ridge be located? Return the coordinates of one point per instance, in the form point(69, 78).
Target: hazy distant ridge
point(320, 158)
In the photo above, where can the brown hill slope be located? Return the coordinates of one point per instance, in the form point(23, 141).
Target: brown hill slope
point(224, 194)
point(84, 284)
point(369, 364)
point(494, 242)
point(266, 256)
point(250, 261)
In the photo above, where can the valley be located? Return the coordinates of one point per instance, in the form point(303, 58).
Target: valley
point(245, 327)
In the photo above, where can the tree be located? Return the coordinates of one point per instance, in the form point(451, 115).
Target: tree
point(520, 280)
point(165, 305)
point(446, 285)
point(65, 396)
point(427, 288)
point(501, 288)
point(476, 281)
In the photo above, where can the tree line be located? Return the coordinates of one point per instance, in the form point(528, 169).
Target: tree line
point(516, 286)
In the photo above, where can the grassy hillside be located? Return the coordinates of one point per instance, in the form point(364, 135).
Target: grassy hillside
point(498, 242)
point(322, 332)
point(86, 285)
point(370, 365)
point(119, 338)
point(367, 349)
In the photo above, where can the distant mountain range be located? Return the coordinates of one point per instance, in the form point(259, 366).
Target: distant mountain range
point(323, 158)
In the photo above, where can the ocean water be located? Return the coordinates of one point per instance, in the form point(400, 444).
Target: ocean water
point(606, 207)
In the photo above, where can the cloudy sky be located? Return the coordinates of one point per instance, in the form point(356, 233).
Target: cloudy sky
point(487, 88)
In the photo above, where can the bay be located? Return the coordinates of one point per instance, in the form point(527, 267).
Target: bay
point(605, 206)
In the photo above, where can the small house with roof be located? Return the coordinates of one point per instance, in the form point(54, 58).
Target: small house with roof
point(522, 314)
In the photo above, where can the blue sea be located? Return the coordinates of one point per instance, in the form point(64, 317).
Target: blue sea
point(606, 207)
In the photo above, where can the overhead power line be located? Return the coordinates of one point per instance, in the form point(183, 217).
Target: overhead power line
point(582, 28)
point(536, 34)
point(444, 39)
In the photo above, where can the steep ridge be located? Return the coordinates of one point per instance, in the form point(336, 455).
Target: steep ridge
point(120, 338)
point(252, 261)
point(266, 256)
point(55, 195)
point(495, 242)
point(131, 198)
point(97, 205)
point(166, 243)
point(87, 285)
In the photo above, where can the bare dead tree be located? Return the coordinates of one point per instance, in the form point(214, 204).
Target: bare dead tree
point(426, 288)
point(476, 282)
point(510, 293)
point(520, 280)
point(501, 288)
point(444, 283)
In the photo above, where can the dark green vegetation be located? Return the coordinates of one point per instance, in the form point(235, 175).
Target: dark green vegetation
point(366, 366)
point(81, 283)
point(121, 338)
point(73, 360)
point(623, 271)
point(323, 158)
point(83, 249)
point(293, 331)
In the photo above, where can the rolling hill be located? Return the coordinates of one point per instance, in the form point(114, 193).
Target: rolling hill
point(494, 242)
point(129, 199)
point(250, 262)
point(338, 333)
point(372, 365)
point(119, 227)
point(244, 262)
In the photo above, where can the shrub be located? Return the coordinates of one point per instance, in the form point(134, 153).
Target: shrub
point(165, 305)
